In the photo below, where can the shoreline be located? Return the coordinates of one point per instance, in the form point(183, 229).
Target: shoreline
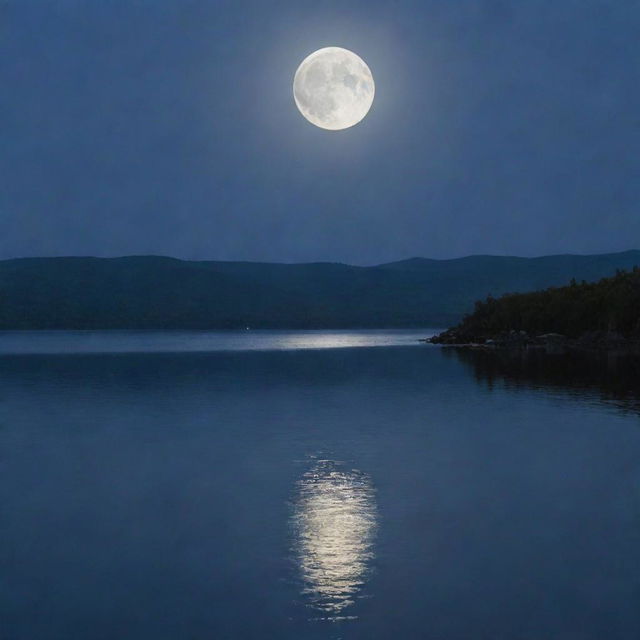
point(593, 341)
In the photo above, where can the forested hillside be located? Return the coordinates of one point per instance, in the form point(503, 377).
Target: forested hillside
point(588, 310)
point(150, 292)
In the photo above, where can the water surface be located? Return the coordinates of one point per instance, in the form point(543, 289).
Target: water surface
point(19, 342)
point(396, 490)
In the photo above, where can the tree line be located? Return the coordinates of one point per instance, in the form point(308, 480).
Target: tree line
point(608, 305)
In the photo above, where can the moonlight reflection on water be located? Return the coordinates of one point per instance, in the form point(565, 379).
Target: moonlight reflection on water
point(335, 523)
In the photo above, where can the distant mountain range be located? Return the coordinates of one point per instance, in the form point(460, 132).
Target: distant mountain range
point(152, 292)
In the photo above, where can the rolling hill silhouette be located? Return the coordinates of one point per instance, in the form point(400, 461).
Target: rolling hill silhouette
point(152, 292)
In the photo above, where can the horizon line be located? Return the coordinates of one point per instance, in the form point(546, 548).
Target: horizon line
point(318, 262)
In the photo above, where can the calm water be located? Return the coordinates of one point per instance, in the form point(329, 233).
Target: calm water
point(312, 485)
point(39, 342)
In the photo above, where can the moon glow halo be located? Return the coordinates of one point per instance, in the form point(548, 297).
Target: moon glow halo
point(333, 88)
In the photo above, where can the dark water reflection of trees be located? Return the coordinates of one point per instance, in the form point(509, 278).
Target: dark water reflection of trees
point(610, 377)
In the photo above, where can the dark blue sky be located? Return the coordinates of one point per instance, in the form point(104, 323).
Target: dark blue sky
point(168, 127)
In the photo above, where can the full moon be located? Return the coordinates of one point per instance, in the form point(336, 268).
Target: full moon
point(333, 88)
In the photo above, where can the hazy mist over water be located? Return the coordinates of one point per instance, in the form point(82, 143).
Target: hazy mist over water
point(396, 491)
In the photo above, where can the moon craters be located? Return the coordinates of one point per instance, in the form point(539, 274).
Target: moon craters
point(333, 88)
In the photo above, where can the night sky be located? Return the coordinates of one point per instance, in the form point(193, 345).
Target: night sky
point(169, 127)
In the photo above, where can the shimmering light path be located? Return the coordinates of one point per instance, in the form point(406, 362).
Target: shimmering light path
point(14, 342)
point(335, 522)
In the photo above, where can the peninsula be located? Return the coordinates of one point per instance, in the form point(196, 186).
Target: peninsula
point(603, 314)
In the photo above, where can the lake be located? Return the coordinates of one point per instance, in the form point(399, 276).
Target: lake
point(299, 485)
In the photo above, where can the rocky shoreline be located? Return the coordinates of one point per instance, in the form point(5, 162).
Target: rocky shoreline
point(551, 342)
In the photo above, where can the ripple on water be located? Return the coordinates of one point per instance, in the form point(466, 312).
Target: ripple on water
point(335, 523)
